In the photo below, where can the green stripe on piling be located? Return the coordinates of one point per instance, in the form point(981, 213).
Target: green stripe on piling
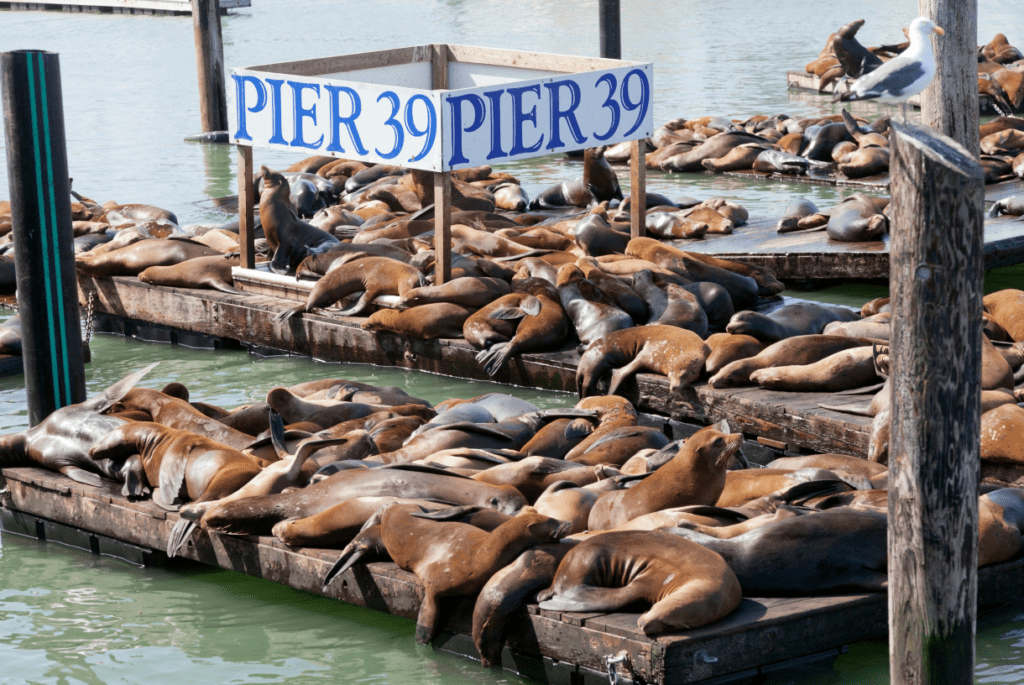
point(55, 238)
point(42, 208)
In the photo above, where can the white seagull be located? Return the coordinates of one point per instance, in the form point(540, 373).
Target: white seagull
point(903, 76)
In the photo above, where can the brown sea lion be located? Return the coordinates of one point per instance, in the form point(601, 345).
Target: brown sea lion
point(695, 475)
point(453, 558)
point(180, 415)
point(743, 289)
point(804, 349)
point(687, 585)
point(466, 292)
point(727, 348)
point(1007, 307)
point(846, 369)
point(716, 147)
point(683, 311)
point(199, 272)
point(532, 475)
point(740, 157)
point(862, 162)
point(614, 289)
point(1002, 434)
point(441, 320)
point(567, 501)
point(670, 351)
point(592, 320)
point(373, 275)
point(132, 259)
point(1000, 524)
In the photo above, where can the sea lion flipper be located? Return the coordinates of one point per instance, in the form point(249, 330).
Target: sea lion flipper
point(578, 428)
point(179, 534)
point(507, 313)
point(82, 476)
point(281, 317)
point(134, 472)
point(277, 434)
point(531, 305)
point(859, 409)
point(590, 598)
point(117, 391)
point(449, 514)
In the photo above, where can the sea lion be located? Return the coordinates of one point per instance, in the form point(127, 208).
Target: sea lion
point(453, 558)
point(1000, 524)
point(510, 197)
point(373, 276)
point(596, 237)
point(592, 320)
point(866, 161)
point(532, 475)
point(727, 348)
point(859, 218)
point(715, 147)
point(180, 415)
point(684, 311)
point(507, 590)
point(10, 336)
point(568, 194)
point(740, 157)
point(1007, 307)
point(567, 501)
point(466, 292)
point(778, 162)
point(687, 585)
point(695, 475)
point(440, 320)
point(615, 290)
point(199, 272)
point(1014, 206)
point(1002, 434)
point(290, 239)
point(61, 441)
point(670, 351)
point(672, 225)
point(803, 318)
point(742, 289)
point(132, 259)
point(772, 560)
point(804, 349)
point(846, 369)
point(822, 141)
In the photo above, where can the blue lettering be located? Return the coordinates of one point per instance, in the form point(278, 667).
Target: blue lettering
point(457, 129)
point(557, 113)
point(495, 97)
point(394, 124)
point(261, 102)
point(301, 114)
point(519, 117)
point(275, 103)
point(349, 121)
point(609, 102)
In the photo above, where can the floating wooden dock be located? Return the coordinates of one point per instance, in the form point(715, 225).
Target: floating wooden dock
point(159, 7)
point(761, 636)
point(801, 80)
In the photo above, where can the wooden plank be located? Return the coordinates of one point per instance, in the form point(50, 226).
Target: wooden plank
point(246, 220)
point(565, 64)
point(341, 63)
point(439, 67)
point(638, 190)
point(442, 226)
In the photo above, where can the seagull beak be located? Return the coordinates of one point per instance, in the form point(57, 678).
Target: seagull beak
point(939, 30)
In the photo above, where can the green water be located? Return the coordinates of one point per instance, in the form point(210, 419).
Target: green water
point(130, 98)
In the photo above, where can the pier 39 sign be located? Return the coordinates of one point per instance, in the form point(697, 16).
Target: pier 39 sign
point(492, 112)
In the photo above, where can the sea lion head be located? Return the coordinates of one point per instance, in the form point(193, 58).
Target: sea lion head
point(543, 528)
point(712, 447)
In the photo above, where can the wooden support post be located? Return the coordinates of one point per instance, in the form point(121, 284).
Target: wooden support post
point(213, 102)
point(442, 227)
point(44, 260)
point(246, 223)
point(442, 184)
point(936, 278)
point(588, 159)
point(638, 190)
point(611, 32)
point(950, 103)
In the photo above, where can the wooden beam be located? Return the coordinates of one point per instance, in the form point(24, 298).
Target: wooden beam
point(950, 103)
point(934, 460)
point(246, 223)
point(442, 227)
point(340, 63)
point(638, 190)
point(213, 102)
point(563, 64)
point(439, 67)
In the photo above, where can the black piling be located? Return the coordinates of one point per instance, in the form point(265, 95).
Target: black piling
point(611, 33)
point(40, 191)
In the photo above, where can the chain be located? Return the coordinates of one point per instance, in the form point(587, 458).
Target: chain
point(89, 313)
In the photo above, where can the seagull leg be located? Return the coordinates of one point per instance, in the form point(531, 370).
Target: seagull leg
point(903, 111)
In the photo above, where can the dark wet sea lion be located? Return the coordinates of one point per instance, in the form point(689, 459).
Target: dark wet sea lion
point(569, 194)
point(858, 219)
point(670, 351)
point(615, 290)
point(290, 239)
point(132, 259)
point(61, 441)
point(695, 475)
point(824, 139)
point(743, 289)
point(592, 320)
point(687, 585)
point(1013, 206)
point(803, 318)
point(778, 162)
point(200, 272)
point(596, 237)
point(867, 161)
point(803, 349)
point(715, 147)
point(773, 560)
point(507, 590)
point(453, 558)
point(855, 58)
point(715, 301)
point(683, 311)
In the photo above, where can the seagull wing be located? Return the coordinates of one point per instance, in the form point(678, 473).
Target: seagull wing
point(891, 79)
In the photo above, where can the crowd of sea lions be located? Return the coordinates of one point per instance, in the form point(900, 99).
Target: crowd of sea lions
point(579, 509)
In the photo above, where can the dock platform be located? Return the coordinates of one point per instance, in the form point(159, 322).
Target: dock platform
point(801, 80)
point(762, 635)
point(158, 7)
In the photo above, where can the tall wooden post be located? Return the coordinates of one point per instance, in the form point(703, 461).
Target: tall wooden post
point(44, 260)
point(442, 185)
point(638, 190)
point(936, 280)
point(246, 223)
point(950, 103)
point(213, 102)
point(611, 32)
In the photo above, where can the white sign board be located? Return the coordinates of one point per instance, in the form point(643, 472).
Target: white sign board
point(440, 130)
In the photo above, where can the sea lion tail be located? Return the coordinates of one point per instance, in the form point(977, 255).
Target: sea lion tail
point(495, 358)
point(281, 317)
point(117, 391)
point(179, 534)
point(349, 556)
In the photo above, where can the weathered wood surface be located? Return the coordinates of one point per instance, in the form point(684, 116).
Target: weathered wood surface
point(761, 632)
point(213, 101)
point(793, 419)
point(801, 80)
point(119, 6)
point(934, 444)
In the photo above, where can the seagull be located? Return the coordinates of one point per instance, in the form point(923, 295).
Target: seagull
point(903, 76)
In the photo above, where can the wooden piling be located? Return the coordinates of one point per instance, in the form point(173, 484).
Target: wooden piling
point(950, 103)
point(213, 102)
point(936, 281)
point(246, 202)
point(610, 28)
point(638, 190)
point(37, 171)
point(442, 184)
